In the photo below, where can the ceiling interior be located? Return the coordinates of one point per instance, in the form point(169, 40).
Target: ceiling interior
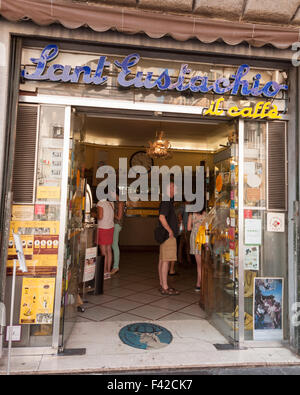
point(126, 128)
point(183, 134)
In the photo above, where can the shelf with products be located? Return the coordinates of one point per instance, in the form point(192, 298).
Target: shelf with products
point(224, 230)
point(142, 209)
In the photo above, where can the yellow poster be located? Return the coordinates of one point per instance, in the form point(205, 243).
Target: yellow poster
point(40, 241)
point(51, 192)
point(36, 261)
point(44, 260)
point(34, 227)
point(27, 243)
point(37, 300)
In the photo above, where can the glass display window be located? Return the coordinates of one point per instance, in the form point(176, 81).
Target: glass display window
point(265, 243)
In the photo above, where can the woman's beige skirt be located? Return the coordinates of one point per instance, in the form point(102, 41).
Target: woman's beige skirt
point(168, 250)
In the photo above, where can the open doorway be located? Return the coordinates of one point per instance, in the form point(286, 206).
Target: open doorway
point(131, 293)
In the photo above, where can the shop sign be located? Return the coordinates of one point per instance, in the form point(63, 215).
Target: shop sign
point(234, 85)
point(261, 110)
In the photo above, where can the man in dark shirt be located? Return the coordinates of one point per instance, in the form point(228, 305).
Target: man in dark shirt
point(168, 249)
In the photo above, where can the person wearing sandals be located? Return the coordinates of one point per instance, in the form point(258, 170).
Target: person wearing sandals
point(105, 215)
point(195, 221)
point(168, 249)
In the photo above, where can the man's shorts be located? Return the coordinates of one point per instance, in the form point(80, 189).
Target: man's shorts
point(168, 250)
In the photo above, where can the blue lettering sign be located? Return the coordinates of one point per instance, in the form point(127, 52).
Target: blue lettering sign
point(60, 73)
point(127, 77)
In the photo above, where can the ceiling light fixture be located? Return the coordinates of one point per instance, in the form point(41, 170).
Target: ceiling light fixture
point(160, 147)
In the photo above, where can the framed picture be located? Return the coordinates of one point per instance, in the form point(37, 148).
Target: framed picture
point(268, 309)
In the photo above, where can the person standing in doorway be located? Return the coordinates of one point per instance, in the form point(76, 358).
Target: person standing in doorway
point(168, 249)
point(178, 211)
point(105, 215)
point(118, 220)
point(196, 222)
point(185, 239)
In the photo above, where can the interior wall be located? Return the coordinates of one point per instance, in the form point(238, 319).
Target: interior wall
point(94, 154)
point(139, 231)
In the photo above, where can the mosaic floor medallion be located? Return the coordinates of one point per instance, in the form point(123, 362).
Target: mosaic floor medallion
point(145, 335)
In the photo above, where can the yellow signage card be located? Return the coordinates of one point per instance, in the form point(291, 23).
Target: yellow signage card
point(34, 227)
point(51, 192)
point(37, 300)
point(22, 212)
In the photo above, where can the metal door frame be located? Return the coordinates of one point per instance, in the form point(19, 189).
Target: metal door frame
point(241, 301)
point(56, 338)
point(69, 103)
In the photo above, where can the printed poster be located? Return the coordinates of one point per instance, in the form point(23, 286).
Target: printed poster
point(35, 227)
point(22, 212)
point(268, 309)
point(251, 257)
point(40, 240)
point(275, 222)
point(51, 164)
point(253, 231)
point(45, 245)
point(40, 209)
point(27, 244)
point(37, 300)
point(48, 192)
point(248, 214)
point(90, 264)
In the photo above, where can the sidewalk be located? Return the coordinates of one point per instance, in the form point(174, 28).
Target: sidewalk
point(192, 347)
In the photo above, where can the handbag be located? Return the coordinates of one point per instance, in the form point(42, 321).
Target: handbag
point(160, 234)
point(200, 237)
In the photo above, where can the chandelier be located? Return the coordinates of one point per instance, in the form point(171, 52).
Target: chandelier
point(160, 147)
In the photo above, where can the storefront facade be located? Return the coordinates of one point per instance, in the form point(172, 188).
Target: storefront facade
point(115, 72)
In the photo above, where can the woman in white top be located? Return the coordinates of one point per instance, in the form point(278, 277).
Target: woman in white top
point(105, 215)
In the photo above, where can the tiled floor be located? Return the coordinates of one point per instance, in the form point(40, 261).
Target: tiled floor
point(132, 294)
